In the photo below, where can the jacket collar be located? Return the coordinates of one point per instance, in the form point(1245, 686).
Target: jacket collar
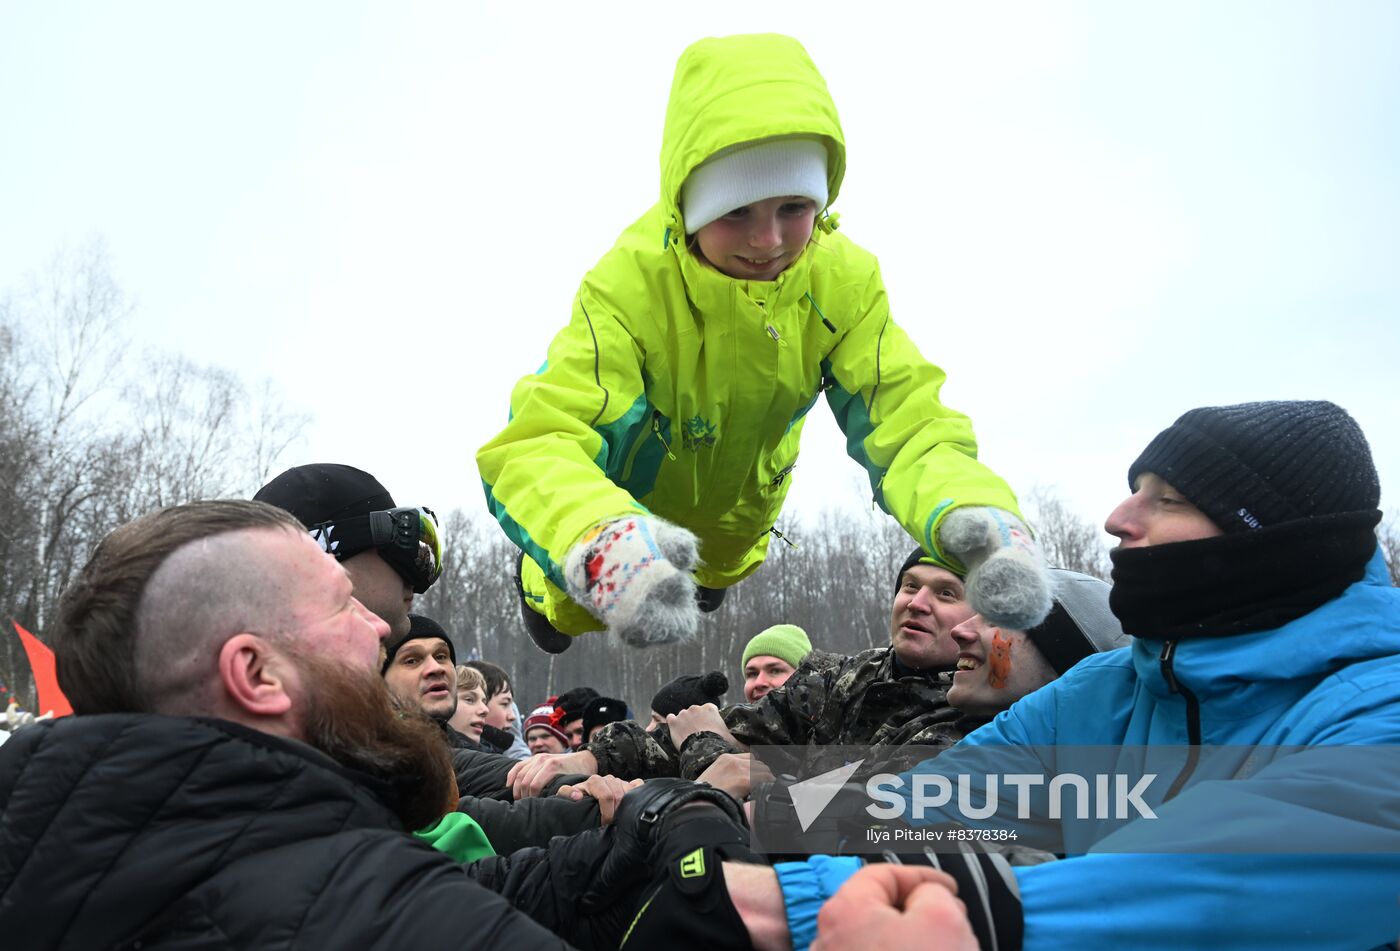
point(892, 668)
point(1244, 674)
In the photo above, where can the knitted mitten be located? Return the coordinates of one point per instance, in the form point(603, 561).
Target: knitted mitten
point(633, 574)
point(1006, 578)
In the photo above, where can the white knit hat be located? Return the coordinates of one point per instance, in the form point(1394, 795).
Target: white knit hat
point(753, 172)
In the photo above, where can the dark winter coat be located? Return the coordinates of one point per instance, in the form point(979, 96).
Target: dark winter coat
point(188, 832)
point(530, 822)
point(510, 825)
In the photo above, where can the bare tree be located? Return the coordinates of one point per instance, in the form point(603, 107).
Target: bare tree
point(1067, 539)
point(199, 434)
point(80, 313)
point(18, 461)
point(1388, 534)
point(272, 429)
point(83, 450)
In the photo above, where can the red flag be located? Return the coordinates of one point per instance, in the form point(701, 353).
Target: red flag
point(45, 676)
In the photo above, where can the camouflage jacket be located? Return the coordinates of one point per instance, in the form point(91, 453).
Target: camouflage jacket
point(829, 700)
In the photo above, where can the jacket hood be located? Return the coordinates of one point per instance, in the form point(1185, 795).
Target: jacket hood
point(735, 89)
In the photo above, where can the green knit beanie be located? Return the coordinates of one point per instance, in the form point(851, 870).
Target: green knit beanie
point(784, 641)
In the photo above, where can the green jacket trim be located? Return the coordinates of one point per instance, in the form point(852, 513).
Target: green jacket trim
point(930, 533)
point(516, 533)
point(855, 424)
point(634, 446)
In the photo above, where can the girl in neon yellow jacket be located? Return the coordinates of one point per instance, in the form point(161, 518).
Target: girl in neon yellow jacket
point(653, 450)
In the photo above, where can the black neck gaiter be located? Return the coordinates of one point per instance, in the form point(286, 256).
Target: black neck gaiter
point(1241, 582)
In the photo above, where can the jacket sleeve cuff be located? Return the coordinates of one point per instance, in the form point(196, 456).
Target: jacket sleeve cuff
point(806, 887)
point(700, 750)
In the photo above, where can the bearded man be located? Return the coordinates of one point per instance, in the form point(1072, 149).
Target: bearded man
point(236, 775)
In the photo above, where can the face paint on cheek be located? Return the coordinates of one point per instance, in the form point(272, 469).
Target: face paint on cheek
point(999, 664)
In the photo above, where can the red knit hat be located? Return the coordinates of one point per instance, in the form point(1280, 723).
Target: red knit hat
point(548, 716)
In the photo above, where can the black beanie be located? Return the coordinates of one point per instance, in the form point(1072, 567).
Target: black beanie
point(419, 627)
point(917, 557)
point(690, 690)
point(601, 710)
point(1259, 464)
point(574, 702)
point(328, 492)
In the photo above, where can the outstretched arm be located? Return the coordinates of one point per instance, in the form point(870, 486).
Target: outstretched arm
point(572, 423)
point(921, 458)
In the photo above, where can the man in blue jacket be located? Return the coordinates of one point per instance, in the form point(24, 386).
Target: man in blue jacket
point(1264, 617)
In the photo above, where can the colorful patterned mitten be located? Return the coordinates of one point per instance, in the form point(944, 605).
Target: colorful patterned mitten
point(633, 574)
point(1006, 578)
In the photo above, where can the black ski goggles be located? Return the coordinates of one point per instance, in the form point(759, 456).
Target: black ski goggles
point(408, 538)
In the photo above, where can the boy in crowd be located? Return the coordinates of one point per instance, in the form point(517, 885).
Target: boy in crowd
point(501, 712)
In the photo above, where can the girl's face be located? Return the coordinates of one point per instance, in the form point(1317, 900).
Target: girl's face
point(757, 242)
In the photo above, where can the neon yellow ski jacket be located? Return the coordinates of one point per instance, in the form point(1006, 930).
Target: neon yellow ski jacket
point(680, 391)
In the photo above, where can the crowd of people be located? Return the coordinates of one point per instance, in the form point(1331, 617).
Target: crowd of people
point(270, 747)
point(253, 741)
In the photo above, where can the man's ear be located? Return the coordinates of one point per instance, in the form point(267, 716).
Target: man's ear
point(253, 674)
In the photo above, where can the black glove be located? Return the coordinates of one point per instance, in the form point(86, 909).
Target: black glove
point(640, 830)
point(781, 837)
point(669, 861)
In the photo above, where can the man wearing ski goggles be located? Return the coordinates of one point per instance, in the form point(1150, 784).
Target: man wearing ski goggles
point(390, 552)
point(407, 538)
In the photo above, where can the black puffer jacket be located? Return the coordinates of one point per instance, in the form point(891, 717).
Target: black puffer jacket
point(176, 832)
point(511, 825)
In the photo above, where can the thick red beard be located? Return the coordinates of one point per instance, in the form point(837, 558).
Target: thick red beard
point(349, 716)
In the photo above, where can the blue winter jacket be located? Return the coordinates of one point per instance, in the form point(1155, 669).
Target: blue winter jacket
point(1330, 678)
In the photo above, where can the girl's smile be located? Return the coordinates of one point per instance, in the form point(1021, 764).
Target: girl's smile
point(757, 242)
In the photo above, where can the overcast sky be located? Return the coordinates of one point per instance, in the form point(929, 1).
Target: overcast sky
point(1093, 216)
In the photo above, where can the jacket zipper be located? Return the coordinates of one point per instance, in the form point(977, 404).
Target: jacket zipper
point(1193, 719)
point(781, 537)
point(831, 328)
point(778, 479)
point(656, 431)
point(637, 446)
point(769, 305)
